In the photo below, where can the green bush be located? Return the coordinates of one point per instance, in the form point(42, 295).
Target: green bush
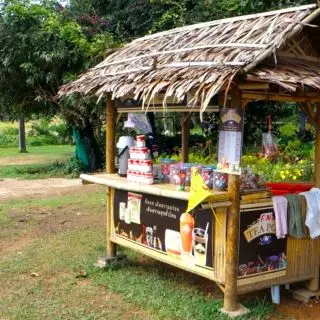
point(40, 128)
point(42, 140)
point(8, 140)
point(10, 131)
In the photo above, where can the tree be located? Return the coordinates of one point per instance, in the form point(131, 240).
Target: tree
point(39, 48)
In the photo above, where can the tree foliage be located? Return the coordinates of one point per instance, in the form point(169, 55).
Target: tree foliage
point(134, 18)
point(40, 48)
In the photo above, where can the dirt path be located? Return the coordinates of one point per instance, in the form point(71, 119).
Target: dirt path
point(14, 189)
point(28, 159)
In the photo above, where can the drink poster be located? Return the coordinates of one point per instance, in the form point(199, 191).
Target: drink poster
point(230, 140)
point(259, 249)
point(161, 224)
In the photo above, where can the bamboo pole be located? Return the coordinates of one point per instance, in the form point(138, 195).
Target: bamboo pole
point(110, 168)
point(185, 137)
point(184, 50)
point(233, 225)
point(313, 284)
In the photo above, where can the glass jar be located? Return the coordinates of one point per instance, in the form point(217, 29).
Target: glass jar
point(207, 175)
point(165, 170)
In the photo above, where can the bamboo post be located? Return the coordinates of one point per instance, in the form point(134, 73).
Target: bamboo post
point(111, 113)
point(313, 284)
point(233, 225)
point(185, 137)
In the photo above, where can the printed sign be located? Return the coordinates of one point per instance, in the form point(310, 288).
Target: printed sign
point(260, 250)
point(161, 224)
point(230, 140)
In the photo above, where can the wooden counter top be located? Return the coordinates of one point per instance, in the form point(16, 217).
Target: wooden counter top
point(164, 190)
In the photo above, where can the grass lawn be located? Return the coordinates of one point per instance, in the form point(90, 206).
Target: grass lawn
point(33, 164)
point(54, 151)
point(46, 269)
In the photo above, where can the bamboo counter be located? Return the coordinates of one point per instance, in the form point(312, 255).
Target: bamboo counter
point(154, 230)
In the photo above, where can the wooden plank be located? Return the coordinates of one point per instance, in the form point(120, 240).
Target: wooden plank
point(254, 86)
point(160, 108)
point(164, 190)
point(260, 277)
point(233, 226)
point(280, 97)
point(163, 257)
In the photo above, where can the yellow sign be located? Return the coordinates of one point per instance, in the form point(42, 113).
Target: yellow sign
point(198, 190)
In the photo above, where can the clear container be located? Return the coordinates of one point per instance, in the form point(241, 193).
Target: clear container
point(165, 169)
point(174, 173)
point(181, 180)
point(220, 181)
point(207, 175)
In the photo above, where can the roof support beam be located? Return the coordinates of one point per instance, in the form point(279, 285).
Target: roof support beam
point(184, 50)
point(186, 64)
point(280, 97)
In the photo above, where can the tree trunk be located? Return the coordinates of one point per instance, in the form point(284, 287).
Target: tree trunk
point(22, 135)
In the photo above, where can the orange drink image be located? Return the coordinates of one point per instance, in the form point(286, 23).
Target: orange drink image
point(186, 229)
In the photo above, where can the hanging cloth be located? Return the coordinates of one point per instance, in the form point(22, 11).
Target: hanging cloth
point(280, 207)
point(295, 221)
point(313, 211)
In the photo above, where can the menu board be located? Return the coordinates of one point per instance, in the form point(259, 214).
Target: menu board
point(161, 224)
point(230, 140)
point(260, 250)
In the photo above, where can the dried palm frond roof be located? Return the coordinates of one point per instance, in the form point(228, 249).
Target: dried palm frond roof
point(289, 73)
point(200, 58)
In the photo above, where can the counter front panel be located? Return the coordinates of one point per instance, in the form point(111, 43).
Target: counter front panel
point(153, 222)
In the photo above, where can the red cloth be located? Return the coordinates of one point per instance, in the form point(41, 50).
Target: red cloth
point(280, 188)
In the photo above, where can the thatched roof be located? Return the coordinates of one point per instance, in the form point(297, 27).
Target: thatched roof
point(199, 59)
point(289, 73)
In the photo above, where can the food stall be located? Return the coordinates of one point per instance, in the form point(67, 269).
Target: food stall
point(229, 237)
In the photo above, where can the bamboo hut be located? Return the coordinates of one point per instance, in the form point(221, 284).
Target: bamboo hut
point(266, 56)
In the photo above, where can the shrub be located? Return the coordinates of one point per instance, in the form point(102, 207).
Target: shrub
point(10, 131)
point(8, 140)
point(43, 140)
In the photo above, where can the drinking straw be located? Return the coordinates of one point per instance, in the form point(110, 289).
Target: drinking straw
point(206, 232)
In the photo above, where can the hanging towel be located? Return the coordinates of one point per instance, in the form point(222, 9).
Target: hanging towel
point(295, 221)
point(313, 211)
point(280, 207)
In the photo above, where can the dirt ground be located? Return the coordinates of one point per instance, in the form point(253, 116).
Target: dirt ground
point(53, 221)
point(14, 189)
point(36, 222)
point(29, 159)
